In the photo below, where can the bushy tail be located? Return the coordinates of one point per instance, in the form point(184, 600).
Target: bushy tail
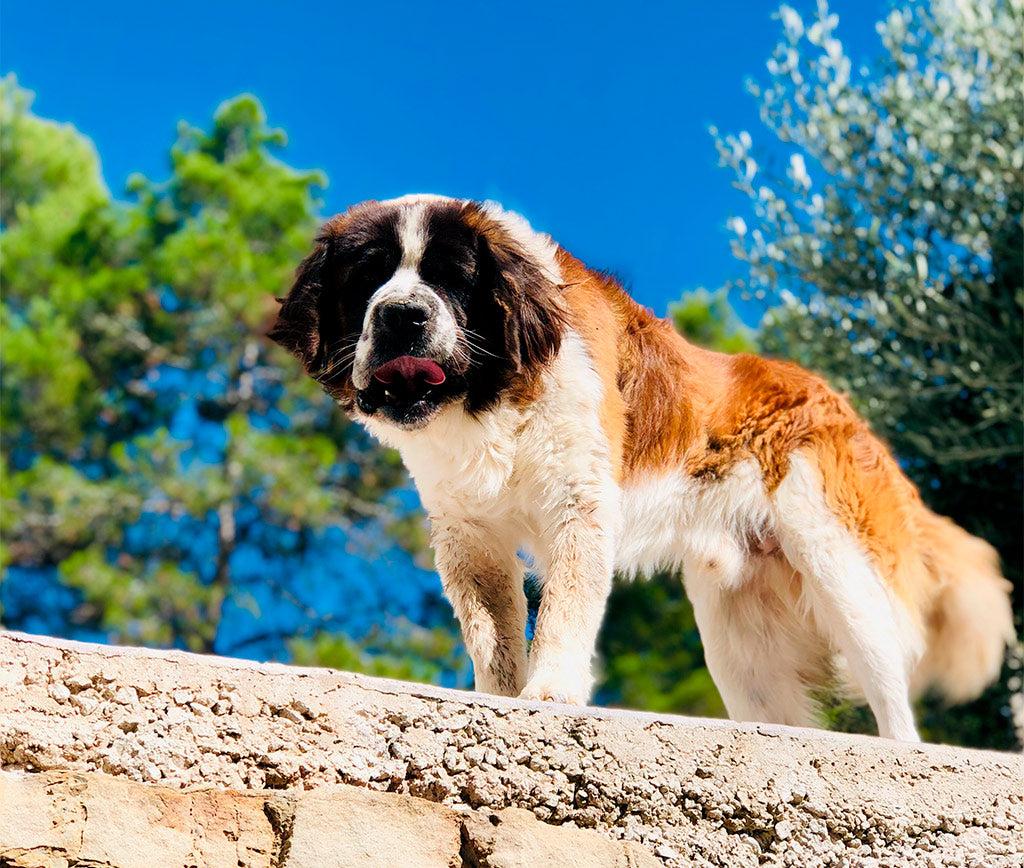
point(971, 619)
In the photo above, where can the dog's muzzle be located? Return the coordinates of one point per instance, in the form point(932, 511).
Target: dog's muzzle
point(406, 357)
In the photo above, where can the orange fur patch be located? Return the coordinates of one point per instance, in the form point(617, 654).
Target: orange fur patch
point(674, 405)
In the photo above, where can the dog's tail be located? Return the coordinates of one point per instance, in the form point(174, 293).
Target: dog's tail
point(970, 621)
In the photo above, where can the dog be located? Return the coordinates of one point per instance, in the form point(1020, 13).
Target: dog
point(539, 408)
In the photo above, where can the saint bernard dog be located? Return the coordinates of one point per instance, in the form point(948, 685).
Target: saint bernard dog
point(540, 409)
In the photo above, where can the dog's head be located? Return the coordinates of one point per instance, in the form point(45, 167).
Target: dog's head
point(406, 306)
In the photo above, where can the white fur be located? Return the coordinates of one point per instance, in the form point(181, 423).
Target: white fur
point(412, 235)
point(671, 518)
point(536, 478)
point(852, 604)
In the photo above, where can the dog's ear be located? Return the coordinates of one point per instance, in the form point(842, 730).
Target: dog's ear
point(298, 322)
point(533, 313)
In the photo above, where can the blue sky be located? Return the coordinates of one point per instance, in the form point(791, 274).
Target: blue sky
point(590, 118)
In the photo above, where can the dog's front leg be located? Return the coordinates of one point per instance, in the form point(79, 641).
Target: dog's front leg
point(577, 571)
point(483, 579)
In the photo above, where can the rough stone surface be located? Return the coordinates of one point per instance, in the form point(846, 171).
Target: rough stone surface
point(514, 838)
point(377, 830)
point(67, 818)
point(90, 819)
point(678, 791)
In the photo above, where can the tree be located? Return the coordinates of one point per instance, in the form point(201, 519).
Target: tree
point(892, 247)
point(154, 461)
point(708, 320)
point(410, 652)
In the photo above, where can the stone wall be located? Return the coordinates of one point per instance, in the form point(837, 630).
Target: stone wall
point(128, 757)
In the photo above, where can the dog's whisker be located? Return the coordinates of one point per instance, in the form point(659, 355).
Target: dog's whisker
point(480, 350)
point(337, 359)
point(331, 368)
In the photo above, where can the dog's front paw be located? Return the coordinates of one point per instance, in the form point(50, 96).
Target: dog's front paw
point(552, 689)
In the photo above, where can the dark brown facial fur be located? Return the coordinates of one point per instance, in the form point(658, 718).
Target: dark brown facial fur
point(509, 317)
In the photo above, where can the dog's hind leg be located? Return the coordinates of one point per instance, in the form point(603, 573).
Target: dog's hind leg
point(850, 601)
point(757, 650)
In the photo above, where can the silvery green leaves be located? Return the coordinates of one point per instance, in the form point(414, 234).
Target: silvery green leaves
point(887, 248)
point(895, 229)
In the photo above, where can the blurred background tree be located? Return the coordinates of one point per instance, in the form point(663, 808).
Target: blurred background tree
point(157, 471)
point(890, 251)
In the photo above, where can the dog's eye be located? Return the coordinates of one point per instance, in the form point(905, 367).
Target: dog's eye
point(445, 271)
point(370, 254)
point(373, 267)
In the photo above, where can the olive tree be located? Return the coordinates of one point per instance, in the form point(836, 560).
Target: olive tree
point(888, 250)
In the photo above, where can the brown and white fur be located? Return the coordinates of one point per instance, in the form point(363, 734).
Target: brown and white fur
point(576, 426)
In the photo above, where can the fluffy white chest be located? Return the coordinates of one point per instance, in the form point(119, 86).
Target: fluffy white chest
point(516, 464)
point(468, 465)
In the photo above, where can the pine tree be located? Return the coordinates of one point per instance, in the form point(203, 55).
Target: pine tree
point(155, 462)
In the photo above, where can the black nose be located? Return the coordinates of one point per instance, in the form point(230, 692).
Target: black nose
point(402, 318)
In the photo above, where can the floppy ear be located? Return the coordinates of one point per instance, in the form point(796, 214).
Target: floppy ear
point(298, 322)
point(534, 317)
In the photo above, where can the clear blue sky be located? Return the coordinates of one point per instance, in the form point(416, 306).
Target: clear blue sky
point(590, 118)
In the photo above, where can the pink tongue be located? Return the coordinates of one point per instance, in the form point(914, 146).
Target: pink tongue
point(409, 369)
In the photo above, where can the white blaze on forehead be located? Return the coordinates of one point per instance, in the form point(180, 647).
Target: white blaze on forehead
point(412, 235)
point(540, 246)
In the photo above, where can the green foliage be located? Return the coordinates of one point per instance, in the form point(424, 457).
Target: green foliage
point(404, 651)
point(651, 652)
point(899, 272)
point(151, 603)
point(116, 316)
point(49, 173)
point(892, 247)
point(709, 321)
point(52, 509)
